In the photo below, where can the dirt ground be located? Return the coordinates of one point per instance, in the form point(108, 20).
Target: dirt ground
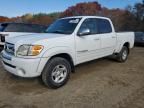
point(98, 84)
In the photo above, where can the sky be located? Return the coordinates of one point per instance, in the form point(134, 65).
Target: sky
point(12, 8)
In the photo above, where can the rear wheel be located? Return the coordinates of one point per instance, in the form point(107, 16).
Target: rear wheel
point(123, 55)
point(56, 72)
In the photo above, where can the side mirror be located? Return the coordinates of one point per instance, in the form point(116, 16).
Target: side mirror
point(83, 32)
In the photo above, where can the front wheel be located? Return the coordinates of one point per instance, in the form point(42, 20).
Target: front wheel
point(123, 55)
point(56, 73)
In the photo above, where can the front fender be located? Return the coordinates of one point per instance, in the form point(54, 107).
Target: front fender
point(52, 52)
point(59, 50)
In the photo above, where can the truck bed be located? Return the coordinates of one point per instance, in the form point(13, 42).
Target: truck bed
point(123, 37)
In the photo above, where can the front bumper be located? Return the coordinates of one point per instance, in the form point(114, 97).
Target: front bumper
point(20, 66)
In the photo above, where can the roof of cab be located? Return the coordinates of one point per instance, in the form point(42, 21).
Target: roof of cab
point(86, 17)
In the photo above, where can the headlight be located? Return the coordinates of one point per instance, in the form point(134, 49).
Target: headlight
point(29, 50)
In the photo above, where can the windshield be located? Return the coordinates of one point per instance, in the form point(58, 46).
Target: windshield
point(64, 26)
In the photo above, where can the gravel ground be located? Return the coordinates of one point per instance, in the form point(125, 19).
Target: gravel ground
point(101, 83)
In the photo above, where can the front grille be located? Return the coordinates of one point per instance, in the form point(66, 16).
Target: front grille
point(9, 48)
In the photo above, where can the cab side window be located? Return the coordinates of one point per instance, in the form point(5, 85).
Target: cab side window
point(104, 26)
point(90, 24)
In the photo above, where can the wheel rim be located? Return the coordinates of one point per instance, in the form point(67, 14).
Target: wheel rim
point(59, 73)
point(124, 55)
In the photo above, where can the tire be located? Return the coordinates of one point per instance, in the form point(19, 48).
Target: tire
point(53, 72)
point(123, 55)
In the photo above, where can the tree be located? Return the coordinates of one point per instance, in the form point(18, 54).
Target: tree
point(139, 10)
point(3, 19)
point(27, 17)
point(129, 19)
point(138, 15)
point(89, 8)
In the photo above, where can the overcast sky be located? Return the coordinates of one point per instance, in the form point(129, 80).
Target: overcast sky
point(12, 8)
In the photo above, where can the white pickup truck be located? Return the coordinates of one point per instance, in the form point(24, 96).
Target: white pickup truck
point(68, 42)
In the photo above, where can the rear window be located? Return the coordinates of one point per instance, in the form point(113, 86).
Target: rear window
point(23, 28)
point(104, 26)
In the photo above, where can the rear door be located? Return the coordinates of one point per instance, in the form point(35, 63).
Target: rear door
point(108, 37)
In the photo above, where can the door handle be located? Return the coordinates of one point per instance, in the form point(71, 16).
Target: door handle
point(96, 39)
point(82, 51)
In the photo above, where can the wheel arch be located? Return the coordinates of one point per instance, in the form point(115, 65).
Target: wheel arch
point(127, 44)
point(67, 57)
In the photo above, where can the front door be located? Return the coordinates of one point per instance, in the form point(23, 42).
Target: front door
point(88, 46)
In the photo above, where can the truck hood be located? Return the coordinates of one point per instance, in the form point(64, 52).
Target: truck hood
point(30, 39)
